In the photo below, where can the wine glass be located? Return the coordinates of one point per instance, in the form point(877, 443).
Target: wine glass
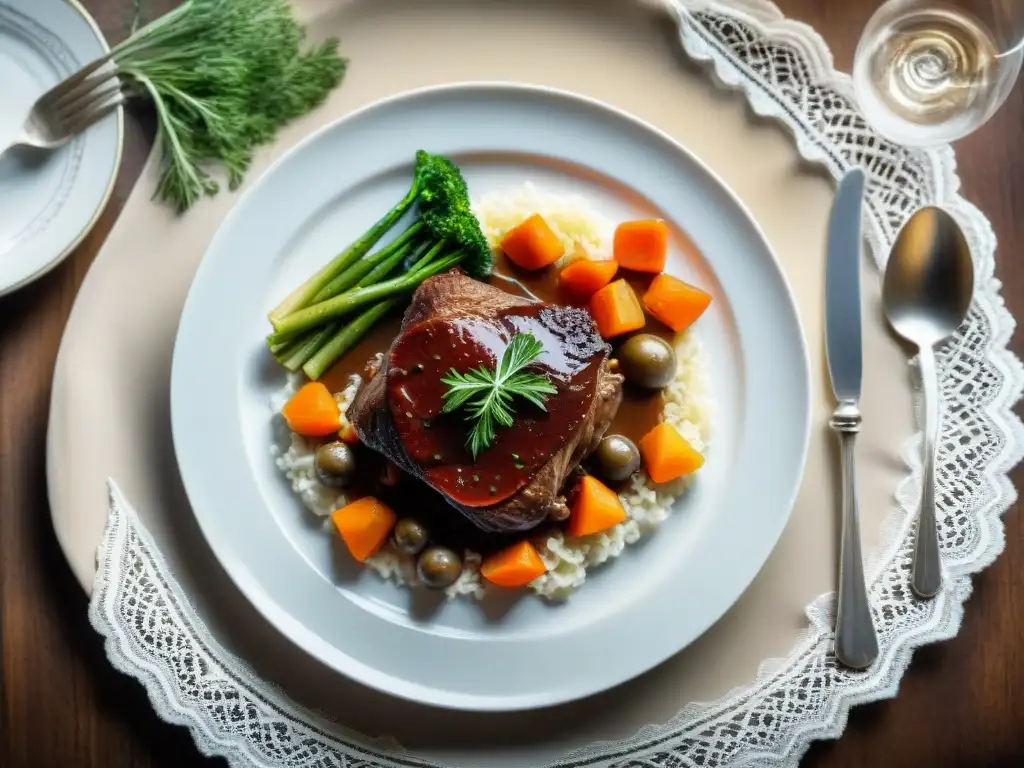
point(928, 73)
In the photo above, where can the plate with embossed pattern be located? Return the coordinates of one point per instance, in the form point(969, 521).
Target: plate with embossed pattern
point(50, 199)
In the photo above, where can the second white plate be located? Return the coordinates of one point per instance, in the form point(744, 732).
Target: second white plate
point(631, 615)
point(50, 199)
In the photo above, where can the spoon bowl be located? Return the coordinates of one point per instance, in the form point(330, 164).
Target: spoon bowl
point(929, 278)
point(926, 292)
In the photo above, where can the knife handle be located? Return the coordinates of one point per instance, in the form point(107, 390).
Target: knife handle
point(856, 645)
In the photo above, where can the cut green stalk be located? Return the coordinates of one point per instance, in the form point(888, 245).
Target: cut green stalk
point(345, 339)
point(311, 343)
point(284, 345)
point(278, 341)
point(423, 253)
point(342, 305)
point(424, 261)
point(427, 267)
point(283, 350)
point(351, 276)
point(280, 348)
point(349, 302)
point(385, 268)
point(302, 296)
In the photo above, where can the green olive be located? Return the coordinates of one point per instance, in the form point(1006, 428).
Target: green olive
point(438, 567)
point(647, 361)
point(616, 459)
point(335, 464)
point(410, 535)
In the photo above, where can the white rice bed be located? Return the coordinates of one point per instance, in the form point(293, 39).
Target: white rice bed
point(688, 408)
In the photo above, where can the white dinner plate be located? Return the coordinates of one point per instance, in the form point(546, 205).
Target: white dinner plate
point(510, 652)
point(50, 200)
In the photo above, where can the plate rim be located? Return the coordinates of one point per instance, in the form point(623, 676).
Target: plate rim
point(305, 639)
point(101, 206)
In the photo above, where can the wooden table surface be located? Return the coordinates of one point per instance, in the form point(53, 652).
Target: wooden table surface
point(61, 704)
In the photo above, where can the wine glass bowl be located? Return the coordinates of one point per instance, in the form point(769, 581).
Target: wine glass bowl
point(930, 72)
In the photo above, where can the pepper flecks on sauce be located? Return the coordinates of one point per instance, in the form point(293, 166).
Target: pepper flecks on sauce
point(571, 359)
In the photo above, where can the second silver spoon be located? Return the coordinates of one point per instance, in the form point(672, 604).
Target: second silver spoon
point(929, 281)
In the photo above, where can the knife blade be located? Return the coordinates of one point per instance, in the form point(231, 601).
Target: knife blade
point(856, 644)
point(842, 288)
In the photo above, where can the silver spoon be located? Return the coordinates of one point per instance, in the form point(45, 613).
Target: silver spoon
point(929, 281)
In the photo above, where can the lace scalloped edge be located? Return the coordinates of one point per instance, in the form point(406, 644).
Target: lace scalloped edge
point(169, 706)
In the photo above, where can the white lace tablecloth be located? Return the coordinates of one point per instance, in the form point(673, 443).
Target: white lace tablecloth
point(786, 72)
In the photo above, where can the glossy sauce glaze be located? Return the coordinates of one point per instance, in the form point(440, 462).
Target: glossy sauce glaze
point(571, 359)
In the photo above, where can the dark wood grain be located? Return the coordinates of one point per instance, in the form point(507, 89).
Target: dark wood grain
point(61, 704)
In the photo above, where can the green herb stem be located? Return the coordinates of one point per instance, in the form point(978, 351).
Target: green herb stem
point(386, 267)
point(393, 252)
point(349, 302)
point(284, 349)
point(278, 341)
point(303, 296)
point(310, 345)
point(344, 339)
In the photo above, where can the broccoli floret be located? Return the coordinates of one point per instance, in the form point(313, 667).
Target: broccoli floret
point(445, 210)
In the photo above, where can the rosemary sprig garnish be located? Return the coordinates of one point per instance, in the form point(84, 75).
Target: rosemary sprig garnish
point(488, 395)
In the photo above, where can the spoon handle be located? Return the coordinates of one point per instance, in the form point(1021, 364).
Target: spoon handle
point(927, 562)
point(856, 642)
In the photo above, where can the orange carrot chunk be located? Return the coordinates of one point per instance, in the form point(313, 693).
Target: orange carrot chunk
point(642, 245)
point(596, 507)
point(532, 244)
point(667, 455)
point(616, 310)
point(364, 525)
point(585, 277)
point(312, 411)
point(675, 303)
point(514, 566)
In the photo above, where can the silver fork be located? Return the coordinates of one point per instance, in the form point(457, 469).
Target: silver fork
point(71, 106)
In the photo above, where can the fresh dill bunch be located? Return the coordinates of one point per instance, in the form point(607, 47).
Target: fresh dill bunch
point(223, 76)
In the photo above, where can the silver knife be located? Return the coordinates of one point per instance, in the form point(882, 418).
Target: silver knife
point(856, 645)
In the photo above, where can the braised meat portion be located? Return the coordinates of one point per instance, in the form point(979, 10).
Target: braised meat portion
point(455, 322)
